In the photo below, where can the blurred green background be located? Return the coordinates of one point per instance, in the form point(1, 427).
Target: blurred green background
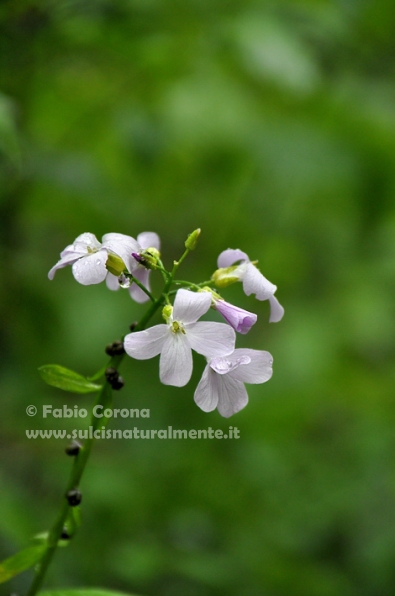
point(270, 125)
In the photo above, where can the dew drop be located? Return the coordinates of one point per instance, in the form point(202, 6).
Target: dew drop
point(124, 282)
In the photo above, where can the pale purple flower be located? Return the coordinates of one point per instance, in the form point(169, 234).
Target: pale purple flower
point(241, 320)
point(253, 280)
point(183, 333)
point(144, 240)
point(88, 256)
point(222, 382)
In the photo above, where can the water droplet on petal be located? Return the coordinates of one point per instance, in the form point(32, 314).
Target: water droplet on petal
point(124, 281)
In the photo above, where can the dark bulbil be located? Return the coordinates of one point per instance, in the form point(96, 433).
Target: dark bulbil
point(114, 378)
point(65, 535)
point(73, 448)
point(115, 349)
point(74, 497)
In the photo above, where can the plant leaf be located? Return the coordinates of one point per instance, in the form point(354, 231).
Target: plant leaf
point(68, 380)
point(21, 561)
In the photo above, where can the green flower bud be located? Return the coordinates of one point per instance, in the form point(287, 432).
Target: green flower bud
point(167, 312)
point(192, 239)
point(150, 257)
point(225, 277)
point(115, 264)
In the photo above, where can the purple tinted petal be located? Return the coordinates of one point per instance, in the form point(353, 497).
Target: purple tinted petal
point(176, 360)
point(232, 396)
point(276, 310)
point(258, 370)
point(122, 246)
point(206, 394)
point(255, 283)
point(148, 240)
point(79, 250)
point(224, 365)
point(190, 306)
point(136, 256)
point(241, 320)
point(67, 259)
point(112, 282)
point(211, 339)
point(230, 256)
point(143, 345)
point(91, 269)
point(137, 293)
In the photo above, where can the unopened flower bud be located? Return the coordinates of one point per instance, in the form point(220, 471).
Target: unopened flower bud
point(114, 378)
point(74, 497)
point(225, 277)
point(167, 312)
point(115, 264)
point(111, 374)
point(148, 257)
point(73, 448)
point(118, 383)
point(115, 349)
point(192, 239)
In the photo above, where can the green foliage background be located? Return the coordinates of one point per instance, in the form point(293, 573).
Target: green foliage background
point(270, 125)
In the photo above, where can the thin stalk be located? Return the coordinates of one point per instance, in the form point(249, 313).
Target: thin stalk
point(178, 263)
point(140, 285)
point(77, 471)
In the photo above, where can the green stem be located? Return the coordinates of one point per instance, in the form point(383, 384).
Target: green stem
point(140, 285)
point(74, 480)
point(178, 263)
point(77, 470)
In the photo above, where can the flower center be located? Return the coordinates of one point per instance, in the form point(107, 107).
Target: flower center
point(176, 327)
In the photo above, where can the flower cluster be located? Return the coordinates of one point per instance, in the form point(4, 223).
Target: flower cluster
point(126, 262)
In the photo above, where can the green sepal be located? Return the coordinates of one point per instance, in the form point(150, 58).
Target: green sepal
point(24, 559)
point(68, 380)
point(115, 265)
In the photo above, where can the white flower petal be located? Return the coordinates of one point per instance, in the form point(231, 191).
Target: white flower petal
point(137, 293)
point(190, 306)
point(211, 339)
point(258, 370)
point(86, 241)
point(276, 310)
point(143, 345)
point(67, 259)
point(78, 250)
point(206, 394)
point(175, 365)
point(255, 283)
point(230, 256)
point(112, 282)
point(91, 269)
point(232, 396)
point(225, 364)
point(148, 240)
point(122, 246)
